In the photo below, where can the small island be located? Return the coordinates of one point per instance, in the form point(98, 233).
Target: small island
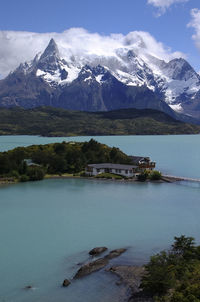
point(74, 159)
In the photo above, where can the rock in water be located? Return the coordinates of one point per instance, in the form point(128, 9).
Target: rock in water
point(115, 253)
point(97, 251)
point(66, 283)
point(28, 287)
point(91, 267)
point(99, 263)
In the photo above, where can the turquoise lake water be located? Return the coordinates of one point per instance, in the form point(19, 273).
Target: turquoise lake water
point(48, 227)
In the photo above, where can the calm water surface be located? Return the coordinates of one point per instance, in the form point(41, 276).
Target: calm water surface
point(47, 227)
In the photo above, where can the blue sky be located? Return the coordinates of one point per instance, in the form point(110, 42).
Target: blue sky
point(109, 16)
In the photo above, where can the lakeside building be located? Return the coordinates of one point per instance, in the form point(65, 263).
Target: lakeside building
point(139, 165)
point(143, 163)
point(30, 163)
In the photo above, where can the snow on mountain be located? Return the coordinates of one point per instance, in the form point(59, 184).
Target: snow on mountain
point(175, 81)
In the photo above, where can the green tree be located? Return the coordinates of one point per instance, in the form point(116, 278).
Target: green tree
point(184, 246)
point(155, 175)
point(142, 176)
point(35, 173)
point(174, 276)
point(160, 276)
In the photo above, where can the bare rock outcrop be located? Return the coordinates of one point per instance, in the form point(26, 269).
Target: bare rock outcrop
point(115, 253)
point(91, 267)
point(130, 276)
point(97, 251)
point(66, 283)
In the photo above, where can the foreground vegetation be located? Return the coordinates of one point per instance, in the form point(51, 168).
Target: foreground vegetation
point(174, 275)
point(149, 175)
point(34, 162)
point(47, 121)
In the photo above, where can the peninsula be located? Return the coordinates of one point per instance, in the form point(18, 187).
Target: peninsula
point(90, 159)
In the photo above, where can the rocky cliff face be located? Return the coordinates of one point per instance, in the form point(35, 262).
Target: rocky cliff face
point(101, 83)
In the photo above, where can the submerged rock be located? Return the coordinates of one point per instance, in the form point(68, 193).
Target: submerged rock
point(115, 253)
point(98, 250)
point(98, 264)
point(66, 283)
point(91, 267)
point(28, 287)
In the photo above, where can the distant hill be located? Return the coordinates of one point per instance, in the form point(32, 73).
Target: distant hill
point(47, 121)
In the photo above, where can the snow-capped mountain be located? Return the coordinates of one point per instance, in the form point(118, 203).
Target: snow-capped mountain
point(93, 82)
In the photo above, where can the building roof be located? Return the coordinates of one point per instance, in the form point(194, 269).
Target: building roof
point(29, 162)
point(112, 166)
point(137, 159)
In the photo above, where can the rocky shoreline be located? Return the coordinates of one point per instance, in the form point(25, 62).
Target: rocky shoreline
point(7, 180)
point(129, 276)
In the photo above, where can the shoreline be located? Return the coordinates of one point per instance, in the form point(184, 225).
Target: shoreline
point(95, 135)
point(130, 278)
point(164, 179)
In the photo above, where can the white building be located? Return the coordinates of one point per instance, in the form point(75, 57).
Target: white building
point(124, 170)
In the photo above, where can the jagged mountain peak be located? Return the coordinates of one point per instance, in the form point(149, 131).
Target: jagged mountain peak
point(50, 66)
point(96, 70)
point(93, 74)
point(49, 61)
point(180, 69)
point(51, 50)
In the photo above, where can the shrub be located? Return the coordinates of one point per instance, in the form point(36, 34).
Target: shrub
point(24, 178)
point(83, 174)
point(142, 176)
point(155, 175)
point(36, 173)
point(14, 173)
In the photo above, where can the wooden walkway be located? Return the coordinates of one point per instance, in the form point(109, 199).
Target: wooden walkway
point(180, 178)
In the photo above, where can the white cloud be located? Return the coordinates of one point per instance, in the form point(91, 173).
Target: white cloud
point(195, 23)
point(163, 5)
point(18, 47)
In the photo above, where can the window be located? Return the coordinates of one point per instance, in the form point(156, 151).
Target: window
point(126, 171)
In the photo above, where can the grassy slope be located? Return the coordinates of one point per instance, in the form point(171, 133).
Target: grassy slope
point(49, 121)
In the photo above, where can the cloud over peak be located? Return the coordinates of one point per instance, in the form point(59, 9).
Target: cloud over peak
point(195, 23)
point(163, 5)
point(17, 47)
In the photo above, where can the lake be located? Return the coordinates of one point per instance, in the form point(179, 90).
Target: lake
point(48, 227)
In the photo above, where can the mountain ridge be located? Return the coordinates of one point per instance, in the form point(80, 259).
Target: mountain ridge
point(96, 83)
